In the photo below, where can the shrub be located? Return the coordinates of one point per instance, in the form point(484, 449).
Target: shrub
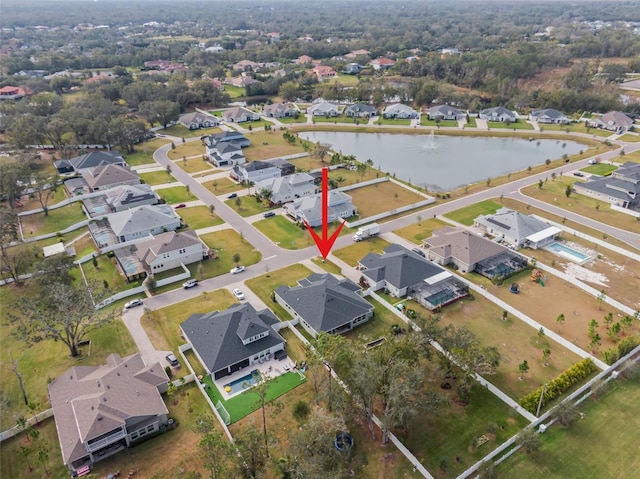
point(558, 385)
point(301, 410)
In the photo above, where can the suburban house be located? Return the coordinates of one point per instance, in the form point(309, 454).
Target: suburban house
point(358, 53)
point(614, 121)
point(119, 198)
point(309, 209)
point(549, 116)
point(402, 272)
point(470, 252)
point(516, 229)
point(323, 108)
point(255, 171)
point(245, 65)
point(279, 110)
point(445, 112)
point(197, 120)
point(352, 68)
point(360, 110)
point(303, 60)
point(143, 221)
point(83, 163)
point(226, 154)
point(239, 114)
point(621, 188)
point(160, 253)
point(323, 303)
point(241, 81)
point(498, 113)
point(12, 93)
point(101, 410)
point(227, 137)
point(399, 111)
point(109, 176)
point(288, 188)
point(382, 63)
point(323, 72)
point(236, 338)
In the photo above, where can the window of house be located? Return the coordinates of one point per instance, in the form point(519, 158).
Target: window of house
point(134, 436)
point(150, 428)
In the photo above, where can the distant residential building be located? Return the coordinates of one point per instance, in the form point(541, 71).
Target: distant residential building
point(352, 68)
point(239, 114)
point(241, 81)
point(197, 120)
point(309, 209)
point(445, 112)
point(236, 338)
point(323, 72)
point(323, 303)
point(279, 110)
point(498, 114)
point(621, 188)
point(399, 111)
point(102, 410)
point(382, 63)
point(324, 108)
point(549, 116)
point(246, 65)
point(303, 60)
point(614, 121)
point(12, 93)
point(516, 229)
point(358, 53)
point(360, 110)
point(285, 189)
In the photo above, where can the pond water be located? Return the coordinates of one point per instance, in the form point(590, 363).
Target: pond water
point(441, 163)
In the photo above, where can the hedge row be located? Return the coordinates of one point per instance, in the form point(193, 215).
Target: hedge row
point(559, 385)
point(624, 347)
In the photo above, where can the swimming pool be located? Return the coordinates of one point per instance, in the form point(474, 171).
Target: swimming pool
point(245, 382)
point(568, 253)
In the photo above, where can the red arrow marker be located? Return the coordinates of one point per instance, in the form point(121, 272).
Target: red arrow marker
point(325, 243)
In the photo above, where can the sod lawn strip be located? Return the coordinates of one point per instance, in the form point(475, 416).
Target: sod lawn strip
point(176, 194)
point(187, 150)
point(157, 178)
point(600, 169)
point(196, 217)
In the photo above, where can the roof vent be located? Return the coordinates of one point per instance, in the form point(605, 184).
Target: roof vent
point(98, 382)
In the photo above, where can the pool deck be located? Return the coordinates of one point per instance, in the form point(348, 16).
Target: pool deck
point(271, 368)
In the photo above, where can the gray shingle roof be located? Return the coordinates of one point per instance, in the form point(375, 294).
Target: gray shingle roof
point(550, 112)
point(217, 336)
point(142, 218)
point(325, 302)
point(398, 266)
point(108, 174)
point(95, 158)
point(512, 223)
point(462, 244)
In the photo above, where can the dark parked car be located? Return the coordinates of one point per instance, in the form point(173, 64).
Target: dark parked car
point(181, 205)
point(419, 252)
point(171, 358)
point(269, 214)
point(232, 195)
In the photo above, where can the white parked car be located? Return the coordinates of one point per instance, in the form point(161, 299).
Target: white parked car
point(238, 294)
point(237, 269)
point(190, 284)
point(133, 303)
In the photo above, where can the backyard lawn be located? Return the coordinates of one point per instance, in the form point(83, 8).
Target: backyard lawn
point(572, 452)
point(421, 230)
point(377, 327)
point(157, 178)
point(176, 194)
point(269, 144)
point(58, 219)
point(380, 197)
point(355, 252)
point(338, 119)
point(197, 217)
point(600, 169)
point(468, 214)
point(143, 153)
point(162, 325)
point(32, 204)
point(190, 149)
point(289, 120)
point(106, 271)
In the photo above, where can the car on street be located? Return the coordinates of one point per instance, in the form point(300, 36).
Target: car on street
point(192, 283)
point(419, 252)
point(577, 173)
point(232, 195)
point(133, 303)
point(181, 205)
point(172, 360)
point(237, 269)
point(269, 214)
point(238, 294)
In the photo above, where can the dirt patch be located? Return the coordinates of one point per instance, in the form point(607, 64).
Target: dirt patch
point(583, 274)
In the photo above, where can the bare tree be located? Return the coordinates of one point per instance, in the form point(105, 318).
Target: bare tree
point(14, 369)
point(43, 189)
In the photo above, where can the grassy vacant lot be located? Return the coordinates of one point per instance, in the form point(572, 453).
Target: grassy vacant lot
point(234, 91)
point(392, 121)
point(285, 233)
point(380, 197)
point(569, 453)
point(227, 243)
point(630, 138)
point(176, 194)
point(58, 219)
point(553, 192)
point(577, 128)
point(198, 217)
point(425, 121)
point(162, 325)
point(222, 186)
point(421, 230)
point(157, 178)
point(600, 169)
point(249, 206)
point(468, 214)
point(195, 165)
point(182, 132)
point(269, 144)
point(354, 253)
point(188, 149)
point(519, 125)
point(267, 283)
point(338, 119)
point(143, 153)
point(288, 120)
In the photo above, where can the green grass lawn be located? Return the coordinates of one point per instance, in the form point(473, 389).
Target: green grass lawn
point(600, 169)
point(107, 271)
point(162, 325)
point(380, 197)
point(249, 206)
point(471, 123)
point(32, 204)
point(283, 232)
point(392, 121)
point(419, 231)
point(157, 178)
point(327, 265)
point(197, 217)
point(176, 194)
point(630, 138)
point(252, 125)
point(354, 253)
point(182, 132)
point(143, 154)
point(245, 403)
point(578, 128)
point(425, 121)
point(338, 119)
point(377, 327)
point(195, 165)
point(518, 125)
point(289, 120)
point(222, 186)
point(468, 214)
point(58, 219)
point(569, 453)
point(227, 243)
point(188, 149)
point(235, 91)
point(267, 283)
point(269, 144)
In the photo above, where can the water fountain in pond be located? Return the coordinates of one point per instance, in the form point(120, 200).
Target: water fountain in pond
point(431, 141)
